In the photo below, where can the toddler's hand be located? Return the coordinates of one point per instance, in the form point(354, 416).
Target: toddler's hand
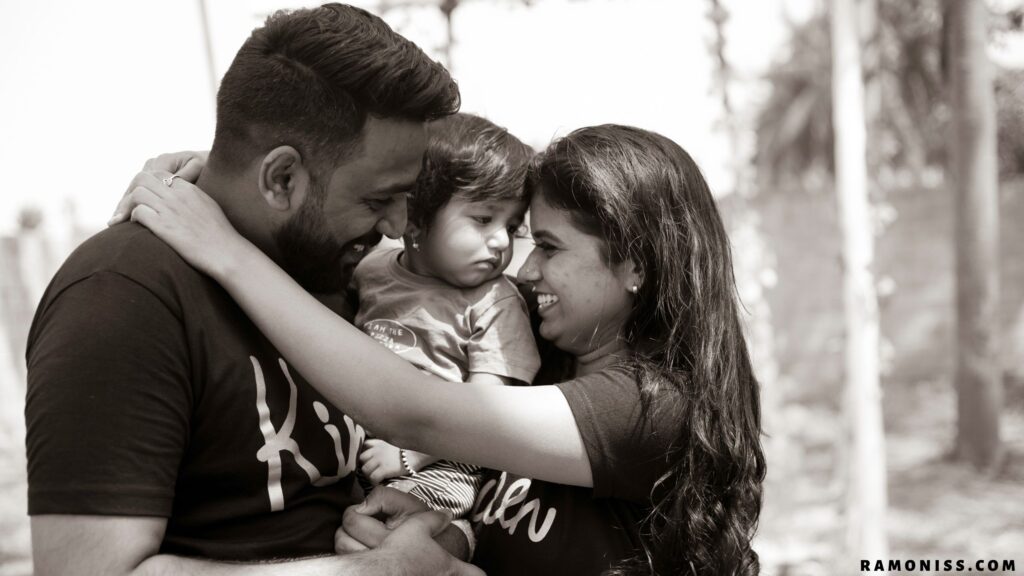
point(381, 461)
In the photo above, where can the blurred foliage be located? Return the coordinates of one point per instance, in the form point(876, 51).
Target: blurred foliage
point(905, 82)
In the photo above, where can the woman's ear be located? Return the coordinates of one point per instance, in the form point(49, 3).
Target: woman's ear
point(631, 275)
point(283, 179)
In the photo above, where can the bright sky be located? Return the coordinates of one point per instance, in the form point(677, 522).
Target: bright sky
point(90, 90)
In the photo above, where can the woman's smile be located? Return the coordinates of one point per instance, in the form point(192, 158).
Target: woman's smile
point(545, 301)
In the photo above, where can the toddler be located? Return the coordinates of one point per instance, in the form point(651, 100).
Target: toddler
point(443, 301)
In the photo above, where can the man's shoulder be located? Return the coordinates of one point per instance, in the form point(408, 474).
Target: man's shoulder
point(128, 250)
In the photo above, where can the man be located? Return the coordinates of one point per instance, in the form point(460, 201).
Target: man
point(165, 434)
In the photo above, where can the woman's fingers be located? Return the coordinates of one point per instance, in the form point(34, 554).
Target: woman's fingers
point(176, 163)
point(190, 171)
point(124, 206)
point(156, 181)
point(142, 196)
point(150, 182)
point(186, 165)
point(145, 215)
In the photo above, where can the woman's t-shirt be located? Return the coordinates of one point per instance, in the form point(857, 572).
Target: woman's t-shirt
point(534, 527)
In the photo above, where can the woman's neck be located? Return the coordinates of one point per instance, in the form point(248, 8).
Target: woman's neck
point(600, 358)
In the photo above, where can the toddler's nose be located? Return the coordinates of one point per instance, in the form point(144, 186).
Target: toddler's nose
point(499, 240)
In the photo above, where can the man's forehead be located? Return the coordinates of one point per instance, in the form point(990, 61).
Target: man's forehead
point(396, 140)
point(388, 146)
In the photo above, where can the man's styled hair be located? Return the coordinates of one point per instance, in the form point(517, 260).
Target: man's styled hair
point(310, 77)
point(470, 158)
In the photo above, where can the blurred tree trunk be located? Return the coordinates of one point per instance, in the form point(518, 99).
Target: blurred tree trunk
point(755, 261)
point(447, 7)
point(975, 173)
point(211, 67)
point(866, 491)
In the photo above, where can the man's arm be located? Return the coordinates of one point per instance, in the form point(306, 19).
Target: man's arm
point(369, 524)
point(123, 546)
point(63, 544)
point(107, 414)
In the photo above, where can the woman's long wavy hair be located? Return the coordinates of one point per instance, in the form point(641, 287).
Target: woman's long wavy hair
point(646, 198)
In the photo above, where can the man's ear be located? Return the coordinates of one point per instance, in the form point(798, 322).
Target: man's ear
point(284, 180)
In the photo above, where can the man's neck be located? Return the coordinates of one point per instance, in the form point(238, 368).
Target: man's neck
point(241, 209)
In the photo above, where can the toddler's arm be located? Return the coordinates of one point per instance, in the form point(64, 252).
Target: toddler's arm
point(442, 484)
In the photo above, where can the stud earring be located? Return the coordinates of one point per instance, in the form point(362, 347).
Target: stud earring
point(635, 289)
point(416, 245)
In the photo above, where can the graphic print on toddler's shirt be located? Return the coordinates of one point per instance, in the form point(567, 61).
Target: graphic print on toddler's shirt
point(392, 334)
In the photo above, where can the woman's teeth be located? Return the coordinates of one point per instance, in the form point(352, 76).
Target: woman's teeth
point(546, 299)
point(358, 248)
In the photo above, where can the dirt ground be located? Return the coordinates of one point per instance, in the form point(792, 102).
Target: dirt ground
point(938, 509)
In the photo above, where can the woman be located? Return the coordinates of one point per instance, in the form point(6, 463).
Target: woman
point(646, 456)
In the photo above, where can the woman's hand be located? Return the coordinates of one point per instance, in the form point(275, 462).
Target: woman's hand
point(187, 219)
point(366, 525)
point(186, 165)
point(381, 461)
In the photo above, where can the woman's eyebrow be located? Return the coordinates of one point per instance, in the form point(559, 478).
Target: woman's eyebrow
point(544, 235)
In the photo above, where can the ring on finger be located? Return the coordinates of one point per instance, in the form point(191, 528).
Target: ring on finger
point(170, 180)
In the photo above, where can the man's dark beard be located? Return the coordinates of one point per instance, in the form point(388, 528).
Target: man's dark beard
point(308, 252)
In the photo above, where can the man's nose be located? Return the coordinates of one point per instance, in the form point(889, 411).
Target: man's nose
point(394, 221)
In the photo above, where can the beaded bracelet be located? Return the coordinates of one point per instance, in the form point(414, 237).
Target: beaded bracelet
point(405, 462)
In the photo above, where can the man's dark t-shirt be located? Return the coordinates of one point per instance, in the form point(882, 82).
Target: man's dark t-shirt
point(150, 393)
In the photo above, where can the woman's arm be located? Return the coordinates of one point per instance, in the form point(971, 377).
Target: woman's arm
point(528, 431)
